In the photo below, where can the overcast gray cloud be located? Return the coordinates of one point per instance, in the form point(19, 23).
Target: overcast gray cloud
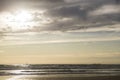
point(65, 15)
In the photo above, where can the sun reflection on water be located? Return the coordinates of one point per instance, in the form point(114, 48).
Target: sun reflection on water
point(17, 71)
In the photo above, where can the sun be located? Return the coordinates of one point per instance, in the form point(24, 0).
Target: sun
point(22, 16)
point(17, 20)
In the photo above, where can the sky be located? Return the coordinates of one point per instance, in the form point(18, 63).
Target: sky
point(59, 31)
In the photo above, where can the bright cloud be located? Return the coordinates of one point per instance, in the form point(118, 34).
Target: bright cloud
point(106, 9)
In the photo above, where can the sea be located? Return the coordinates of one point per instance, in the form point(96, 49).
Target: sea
point(57, 71)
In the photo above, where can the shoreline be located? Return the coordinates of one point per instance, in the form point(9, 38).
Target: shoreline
point(60, 77)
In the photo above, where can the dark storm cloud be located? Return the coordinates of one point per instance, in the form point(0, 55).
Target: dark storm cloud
point(79, 11)
point(68, 12)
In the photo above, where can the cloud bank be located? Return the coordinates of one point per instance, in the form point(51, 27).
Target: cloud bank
point(66, 15)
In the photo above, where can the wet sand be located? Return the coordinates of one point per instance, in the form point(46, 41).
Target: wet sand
point(80, 78)
point(60, 78)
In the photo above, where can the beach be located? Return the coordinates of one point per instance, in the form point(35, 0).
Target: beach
point(53, 77)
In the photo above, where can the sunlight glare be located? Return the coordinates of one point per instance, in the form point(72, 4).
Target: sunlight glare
point(21, 19)
point(23, 16)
